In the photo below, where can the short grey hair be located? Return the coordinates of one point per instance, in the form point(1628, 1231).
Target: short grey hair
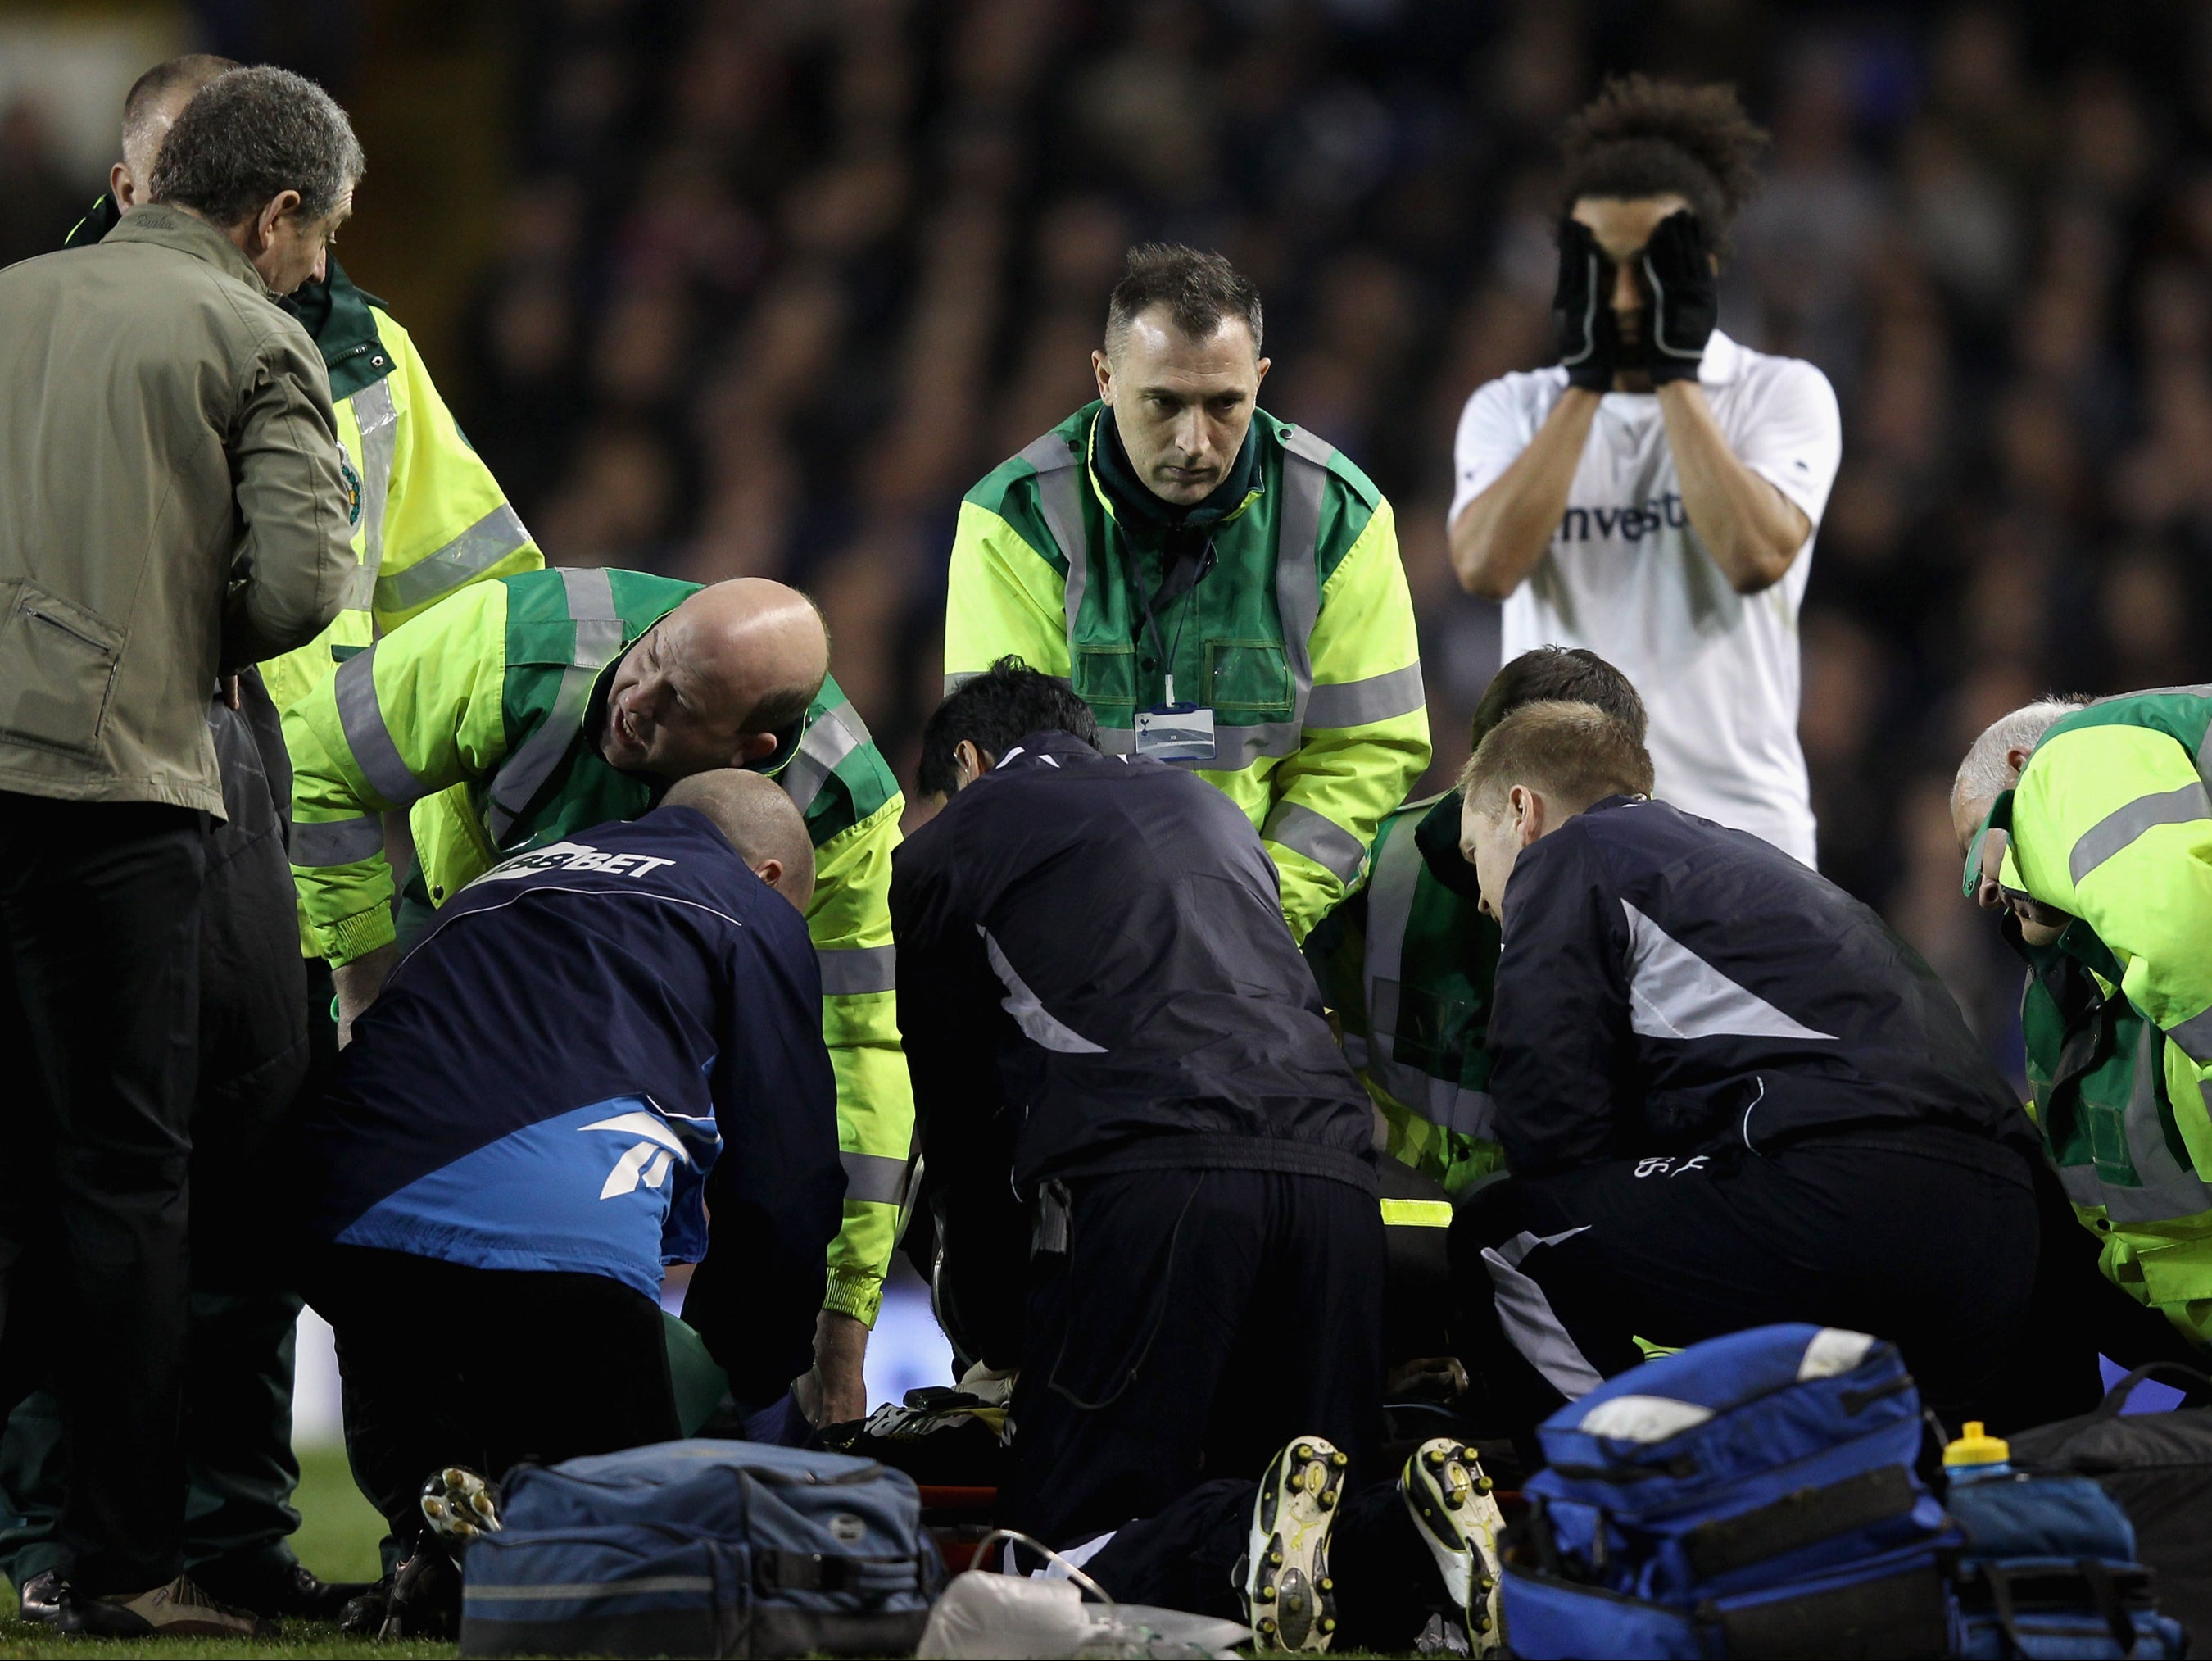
point(250, 135)
point(1986, 773)
point(147, 110)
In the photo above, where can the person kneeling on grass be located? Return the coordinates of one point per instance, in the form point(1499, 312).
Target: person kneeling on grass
point(599, 1046)
point(1728, 1093)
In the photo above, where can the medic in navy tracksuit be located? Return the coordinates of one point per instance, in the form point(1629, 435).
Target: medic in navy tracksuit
point(1728, 1094)
point(600, 1044)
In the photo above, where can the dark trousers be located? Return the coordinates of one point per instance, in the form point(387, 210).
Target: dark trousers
point(238, 1464)
point(1186, 1558)
point(99, 910)
point(1196, 1322)
point(444, 1365)
point(1932, 1253)
point(254, 1045)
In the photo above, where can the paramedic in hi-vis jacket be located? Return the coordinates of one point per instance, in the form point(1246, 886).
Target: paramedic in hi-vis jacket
point(2090, 823)
point(605, 1056)
point(563, 698)
point(1222, 588)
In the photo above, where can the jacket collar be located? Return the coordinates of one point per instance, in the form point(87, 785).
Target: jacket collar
point(1047, 749)
point(1437, 837)
point(337, 314)
point(100, 218)
point(170, 228)
point(1131, 503)
point(334, 312)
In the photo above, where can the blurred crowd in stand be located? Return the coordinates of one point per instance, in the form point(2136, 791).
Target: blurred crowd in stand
point(781, 278)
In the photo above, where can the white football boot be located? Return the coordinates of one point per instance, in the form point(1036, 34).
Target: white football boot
point(1444, 1487)
point(1288, 1596)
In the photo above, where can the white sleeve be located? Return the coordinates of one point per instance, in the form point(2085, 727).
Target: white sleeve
point(1793, 436)
point(1493, 429)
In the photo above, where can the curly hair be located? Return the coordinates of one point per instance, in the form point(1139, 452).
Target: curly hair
point(1643, 137)
point(251, 134)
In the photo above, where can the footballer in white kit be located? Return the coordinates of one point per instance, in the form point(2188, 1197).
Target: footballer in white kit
point(1654, 496)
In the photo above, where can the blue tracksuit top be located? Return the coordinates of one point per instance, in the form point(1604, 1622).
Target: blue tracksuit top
point(593, 1038)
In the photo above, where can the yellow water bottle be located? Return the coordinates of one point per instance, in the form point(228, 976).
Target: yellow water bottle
point(1976, 1457)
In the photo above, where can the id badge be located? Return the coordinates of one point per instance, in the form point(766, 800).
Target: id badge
point(1176, 732)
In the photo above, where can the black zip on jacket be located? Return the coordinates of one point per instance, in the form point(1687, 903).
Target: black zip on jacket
point(1667, 985)
point(1094, 975)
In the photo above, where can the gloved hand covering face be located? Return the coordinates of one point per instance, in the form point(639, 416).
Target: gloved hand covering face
point(1582, 313)
point(1682, 295)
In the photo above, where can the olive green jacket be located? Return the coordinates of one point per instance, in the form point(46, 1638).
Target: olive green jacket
point(172, 504)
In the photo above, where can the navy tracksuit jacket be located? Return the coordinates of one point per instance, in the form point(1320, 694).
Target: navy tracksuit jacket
point(600, 1043)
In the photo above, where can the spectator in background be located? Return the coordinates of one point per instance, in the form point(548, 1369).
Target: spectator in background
point(146, 547)
point(1653, 497)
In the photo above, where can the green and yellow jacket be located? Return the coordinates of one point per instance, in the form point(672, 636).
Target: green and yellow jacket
point(1406, 965)
point(2111, 823)
point(1299, 636)
point(479, 715)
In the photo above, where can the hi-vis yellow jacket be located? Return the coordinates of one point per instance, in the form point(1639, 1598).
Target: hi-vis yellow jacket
point(1301, 639)
point(433, 518)
point(479, 712)
point(2112, 824)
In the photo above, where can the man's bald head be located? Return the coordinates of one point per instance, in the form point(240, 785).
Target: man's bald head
point(717, 681)
point(762, 824)
point(151, 108)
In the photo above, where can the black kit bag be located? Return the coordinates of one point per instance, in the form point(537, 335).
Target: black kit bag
point(2159, 1467)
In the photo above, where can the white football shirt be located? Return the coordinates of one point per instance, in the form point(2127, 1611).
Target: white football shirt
point(1626, 577)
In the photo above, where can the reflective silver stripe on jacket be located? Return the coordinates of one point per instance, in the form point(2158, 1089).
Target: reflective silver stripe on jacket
point(379, 419)
point(834, 734)
point(850, 970)
point(2119, 828)
point(2195, 1038)
point(476, 550)
point(335, 842)
point(874, 1179)
point(2168, 1188)
point(1390, 888)
point(1297, 561)
point(1060, 499)
point(1320, 838)
point(361, 719)
point(1357, 703)
point(591, 597)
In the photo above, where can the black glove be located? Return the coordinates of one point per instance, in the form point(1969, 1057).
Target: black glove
point(1582, 310)
point(1683, 298)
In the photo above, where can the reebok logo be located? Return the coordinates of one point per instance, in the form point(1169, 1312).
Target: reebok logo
point(1630, 524)
point(574, 856)
point(646, 1163)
